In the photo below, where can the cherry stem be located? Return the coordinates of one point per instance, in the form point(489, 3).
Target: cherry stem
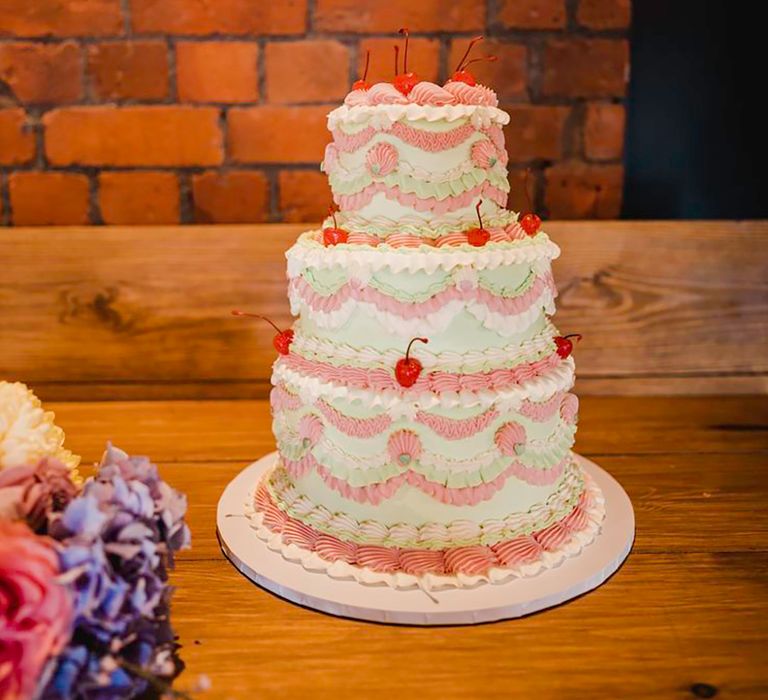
point(525, 187)
point(332, 213)
point(408, 350)
point(573, 335)
point(477, 209)
point(475, 40)
point(397, 60)
point(491, 58)
point(367, 63)
point(404, 31)
point(237, 312)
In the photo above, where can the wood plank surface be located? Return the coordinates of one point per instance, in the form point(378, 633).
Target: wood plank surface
point(208, 431)
point(687, 614)
point(663, 624)
point(144, 312)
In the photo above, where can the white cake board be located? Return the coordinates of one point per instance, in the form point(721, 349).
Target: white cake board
point(484, 603)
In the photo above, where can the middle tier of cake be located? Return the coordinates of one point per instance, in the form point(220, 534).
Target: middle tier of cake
point(485, 431)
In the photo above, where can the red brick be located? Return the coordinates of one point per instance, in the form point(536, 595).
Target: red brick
point(604, 131)
point(135, 70)
point(43, 199)
point(307, 71)
point(219, 16)
point(535, 132)
point(304, 195)
point(142, 197)
point(585, 67)
point(230, 198)
point(507, 76)
point(373, 16)
point(60, 18)
point(42, 73)
point(133, 136)
point(217, 71)
point(278, 134)
point(423, 58)
point(17, 142)
point(581, 191)
point(532, 14)
point(604, 14)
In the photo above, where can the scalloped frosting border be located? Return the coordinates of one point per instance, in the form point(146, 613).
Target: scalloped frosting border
point(382, 116)
point(309, 252)
point(332, 352)
point(455, 567)
point(356, 291)
point(382, 228)
point(311, 388)
point(432, 535)
point(304, 447)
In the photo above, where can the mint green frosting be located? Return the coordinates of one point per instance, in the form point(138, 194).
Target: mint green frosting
point(326, 281)
point(422, 188)
point(558, 435)
point(508, 282)
point(421, 287)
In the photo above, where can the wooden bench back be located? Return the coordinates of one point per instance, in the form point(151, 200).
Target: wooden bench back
point(96, 313)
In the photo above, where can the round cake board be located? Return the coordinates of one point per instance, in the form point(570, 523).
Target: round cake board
point(454, 606)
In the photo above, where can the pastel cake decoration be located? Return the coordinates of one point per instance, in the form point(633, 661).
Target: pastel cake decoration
point(422, 400)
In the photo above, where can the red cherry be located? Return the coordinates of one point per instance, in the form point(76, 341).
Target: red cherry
point(478, 236)
point(405, 82)
point(564, 344)
point(530, 223)
point(408, 369)
point(464, 76)
point(282, 340)
point(333, 235)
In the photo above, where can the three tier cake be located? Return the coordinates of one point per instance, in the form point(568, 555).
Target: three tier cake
point(421, 401)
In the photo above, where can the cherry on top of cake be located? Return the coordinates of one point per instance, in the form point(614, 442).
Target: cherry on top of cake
point(407, 88)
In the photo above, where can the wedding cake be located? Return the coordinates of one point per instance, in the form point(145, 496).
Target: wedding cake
point(421, 401)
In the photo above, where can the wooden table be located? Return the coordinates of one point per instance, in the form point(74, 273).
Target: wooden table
point(686, 616)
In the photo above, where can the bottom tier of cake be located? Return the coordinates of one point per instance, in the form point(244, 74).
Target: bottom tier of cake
point(426, 567)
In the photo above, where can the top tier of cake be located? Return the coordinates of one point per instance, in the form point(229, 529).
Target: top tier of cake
point(418, 164)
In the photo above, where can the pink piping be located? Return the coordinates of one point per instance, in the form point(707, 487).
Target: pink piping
point(469, 560)
point(438, 207)
point(458, 496)
point(383, 379)
point(354, 289)
point(425, 140)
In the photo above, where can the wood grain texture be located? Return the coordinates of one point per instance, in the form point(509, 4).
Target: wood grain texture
point(144, 312)
point(663, 623)
point(240, 431)
point(688, 607)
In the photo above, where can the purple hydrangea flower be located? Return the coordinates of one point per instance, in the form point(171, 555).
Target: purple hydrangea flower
point(118, 538)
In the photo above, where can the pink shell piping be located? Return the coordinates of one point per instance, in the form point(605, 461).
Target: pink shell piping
point(472, 560)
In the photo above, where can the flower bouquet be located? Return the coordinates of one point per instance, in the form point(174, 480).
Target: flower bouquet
point(84, 598)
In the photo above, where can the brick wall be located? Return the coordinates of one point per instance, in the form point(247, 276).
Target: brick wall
point(166, 111)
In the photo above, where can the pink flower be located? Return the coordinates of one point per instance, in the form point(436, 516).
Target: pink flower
point(31, 492)
point(35, 610)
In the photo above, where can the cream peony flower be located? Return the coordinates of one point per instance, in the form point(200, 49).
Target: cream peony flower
point(27, 432)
